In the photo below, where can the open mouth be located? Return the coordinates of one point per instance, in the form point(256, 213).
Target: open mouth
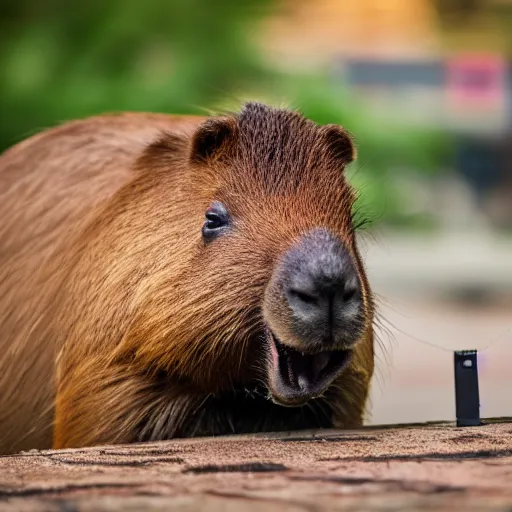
point(296, 377)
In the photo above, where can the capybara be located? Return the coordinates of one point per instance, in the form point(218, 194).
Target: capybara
point(165, 276)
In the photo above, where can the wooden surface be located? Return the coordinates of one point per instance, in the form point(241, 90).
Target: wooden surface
point(426, 467)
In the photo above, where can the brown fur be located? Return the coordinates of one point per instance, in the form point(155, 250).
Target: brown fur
point(117, 323)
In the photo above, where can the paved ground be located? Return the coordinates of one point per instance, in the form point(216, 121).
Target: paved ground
point(436, 467)
point(415, 381)
point(454, 292)
point(438, 265)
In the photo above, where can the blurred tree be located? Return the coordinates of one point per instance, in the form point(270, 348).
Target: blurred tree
point(60, 60)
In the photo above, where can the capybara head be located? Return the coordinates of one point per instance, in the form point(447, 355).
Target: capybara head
point(276, 288)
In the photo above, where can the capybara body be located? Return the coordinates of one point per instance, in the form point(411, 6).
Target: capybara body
point(167, 276)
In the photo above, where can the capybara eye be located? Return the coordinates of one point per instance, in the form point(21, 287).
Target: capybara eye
point(217, 218)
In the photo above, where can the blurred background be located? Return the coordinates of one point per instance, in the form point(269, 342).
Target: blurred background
point(424, 86)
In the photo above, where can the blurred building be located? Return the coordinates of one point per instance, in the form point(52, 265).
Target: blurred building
point(442, 63)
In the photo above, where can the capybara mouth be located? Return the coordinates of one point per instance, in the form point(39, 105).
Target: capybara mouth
point(296, 377)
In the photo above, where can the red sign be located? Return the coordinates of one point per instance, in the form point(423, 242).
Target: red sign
point(476, 82)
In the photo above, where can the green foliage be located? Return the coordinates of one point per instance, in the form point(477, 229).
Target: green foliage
point(62, 60)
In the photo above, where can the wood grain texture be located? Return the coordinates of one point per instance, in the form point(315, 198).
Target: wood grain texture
point(423, 467)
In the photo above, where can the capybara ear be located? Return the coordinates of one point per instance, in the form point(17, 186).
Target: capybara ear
point(340, 145)
point(212, 139)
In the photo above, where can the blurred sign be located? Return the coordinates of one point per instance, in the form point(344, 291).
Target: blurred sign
point(469, 93)
point(476, 83)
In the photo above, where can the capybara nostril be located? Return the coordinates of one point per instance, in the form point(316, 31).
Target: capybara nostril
point(301, 298)
point(351, 291)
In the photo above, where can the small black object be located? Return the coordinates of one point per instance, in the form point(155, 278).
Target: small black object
point(467, 400)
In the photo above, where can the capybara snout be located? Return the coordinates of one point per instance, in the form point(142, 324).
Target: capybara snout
point(320, 287)
point(315, 314)
point(193, 276)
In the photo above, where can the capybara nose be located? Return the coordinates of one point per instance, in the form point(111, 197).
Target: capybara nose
point(323, 295)
point(323, 292)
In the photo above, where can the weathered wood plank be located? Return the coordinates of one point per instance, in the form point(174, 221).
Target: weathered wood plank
point(411, 467)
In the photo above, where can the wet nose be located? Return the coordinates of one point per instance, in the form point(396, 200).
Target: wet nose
point(323, 297)
point(323, 291)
